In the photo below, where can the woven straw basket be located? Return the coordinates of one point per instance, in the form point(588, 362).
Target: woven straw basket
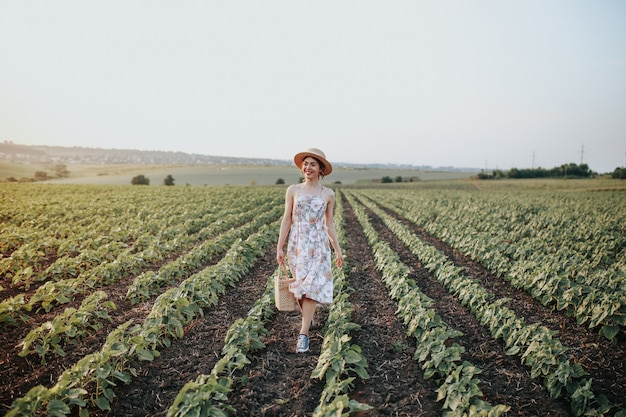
point(285, 301)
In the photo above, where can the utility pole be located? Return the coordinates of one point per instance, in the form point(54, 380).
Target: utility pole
point(582, 152)
point(533, 159)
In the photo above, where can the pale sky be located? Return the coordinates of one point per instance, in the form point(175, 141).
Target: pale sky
point(495, 84)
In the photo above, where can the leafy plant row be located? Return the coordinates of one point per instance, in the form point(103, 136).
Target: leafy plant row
point(538, 347)
point(43, 217)
point(128, 262)
point(90, 382)
point(438, 355)
point(79, 244)
point(56, 227)
point(24, 264)
point(571, 255)
point(207, 395)
point(149, 284)
point(68, 327)
point(340, 361)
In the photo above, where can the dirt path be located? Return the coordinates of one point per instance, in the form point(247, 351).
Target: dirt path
point(396, 386)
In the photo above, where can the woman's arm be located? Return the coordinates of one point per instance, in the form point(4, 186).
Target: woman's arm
point(330, 227)
point(285, 225)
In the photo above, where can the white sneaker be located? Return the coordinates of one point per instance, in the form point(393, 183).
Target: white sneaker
point(303, 344)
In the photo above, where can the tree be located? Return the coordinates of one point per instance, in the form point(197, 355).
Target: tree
point(570, 170)
point(169, 180)
point(619, 173)
point(140, 180)
point(280, 181)
point(61, 170)
point(386, 179)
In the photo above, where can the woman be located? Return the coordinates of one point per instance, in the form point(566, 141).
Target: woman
point(308, 221)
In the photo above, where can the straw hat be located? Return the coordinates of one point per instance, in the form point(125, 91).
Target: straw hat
point(317, 154)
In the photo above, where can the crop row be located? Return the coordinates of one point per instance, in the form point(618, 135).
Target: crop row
point(569, 252)
point(149, 283)
point(74, 324)
point(340, 361)
point(338, 364)
point(148, 250)
point(68, 327)
point(60, 235)
point(438, 354)
point(75, 234)
point(537, 346)
point(207, 395)
point(89, 383)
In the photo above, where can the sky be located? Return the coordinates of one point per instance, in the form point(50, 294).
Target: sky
point(480, 84)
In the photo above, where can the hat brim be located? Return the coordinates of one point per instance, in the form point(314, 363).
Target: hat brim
point(300, 157)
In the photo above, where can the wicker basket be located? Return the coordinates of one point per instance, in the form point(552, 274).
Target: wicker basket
point(285, 301)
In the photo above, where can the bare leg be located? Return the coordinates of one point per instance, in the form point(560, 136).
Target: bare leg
point(308, 311)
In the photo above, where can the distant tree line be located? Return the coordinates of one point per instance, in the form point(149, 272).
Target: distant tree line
point(143, 180)
point(564, 171)
point(59, 171)
point(619, 173)
point(387, 179)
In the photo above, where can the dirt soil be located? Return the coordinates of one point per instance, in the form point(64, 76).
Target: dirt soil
point(279, 379)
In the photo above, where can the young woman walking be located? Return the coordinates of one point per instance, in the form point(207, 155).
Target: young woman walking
point(308, 223)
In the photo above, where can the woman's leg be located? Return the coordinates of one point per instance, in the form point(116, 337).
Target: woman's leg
point(308, 311)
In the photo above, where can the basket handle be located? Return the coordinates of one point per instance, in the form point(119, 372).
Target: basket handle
point(283, 272)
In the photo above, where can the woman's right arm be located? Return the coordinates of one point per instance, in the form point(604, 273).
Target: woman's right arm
point(285, 225)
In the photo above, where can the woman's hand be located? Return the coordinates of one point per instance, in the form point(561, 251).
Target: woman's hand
point(339, 261)
point(280, 256)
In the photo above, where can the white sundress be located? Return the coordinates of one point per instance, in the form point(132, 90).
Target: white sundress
point(309, 251)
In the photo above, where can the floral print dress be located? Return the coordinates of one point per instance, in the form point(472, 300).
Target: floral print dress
point(309, 251)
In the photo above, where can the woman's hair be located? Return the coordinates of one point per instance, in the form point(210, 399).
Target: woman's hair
point(322, 166)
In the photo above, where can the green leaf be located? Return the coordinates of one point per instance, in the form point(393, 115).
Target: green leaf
point(361, 372)
point(353, 357)
point(145, 355)
point(610, 332)
point(58, 408)
point(513, 351)
point(102, 403)
point(122, 376)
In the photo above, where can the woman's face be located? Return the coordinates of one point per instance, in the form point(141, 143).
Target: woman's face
point(311, 168)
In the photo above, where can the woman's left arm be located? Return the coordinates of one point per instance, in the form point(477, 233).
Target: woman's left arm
point(330, 227)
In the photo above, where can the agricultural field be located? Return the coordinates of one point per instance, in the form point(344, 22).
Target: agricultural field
point(218, 174)
point(456, 298)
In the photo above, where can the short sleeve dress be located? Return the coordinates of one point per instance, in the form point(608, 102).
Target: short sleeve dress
point(308, 249)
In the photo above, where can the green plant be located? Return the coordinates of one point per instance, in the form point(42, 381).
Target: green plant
point(68, 327)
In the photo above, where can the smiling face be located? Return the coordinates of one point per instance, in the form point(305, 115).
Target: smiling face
point(311, 168)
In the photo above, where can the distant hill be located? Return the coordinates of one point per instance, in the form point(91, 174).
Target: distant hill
point(40, 154)
point(50, 155)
